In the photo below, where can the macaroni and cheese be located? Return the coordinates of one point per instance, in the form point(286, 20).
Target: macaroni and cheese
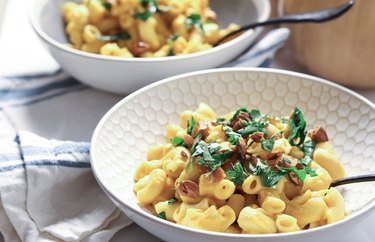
point(142, 28)
point(243, 172)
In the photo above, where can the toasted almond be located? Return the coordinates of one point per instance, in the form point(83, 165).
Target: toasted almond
point(257, 136)
point(200, 127)
point(188, 188)
point(318, 134)
point(218, 175)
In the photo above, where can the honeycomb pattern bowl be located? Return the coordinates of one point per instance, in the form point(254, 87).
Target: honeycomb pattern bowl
point(124, 134)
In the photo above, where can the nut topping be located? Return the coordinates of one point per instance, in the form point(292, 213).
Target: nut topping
point(200, 127)
point(256, 137)
point(318, 134)
point(218, 175)
point(188, 188)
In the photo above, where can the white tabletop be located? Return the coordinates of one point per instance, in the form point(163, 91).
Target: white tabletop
point(16, 57)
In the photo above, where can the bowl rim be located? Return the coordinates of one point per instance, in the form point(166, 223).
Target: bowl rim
point(38, 30)
point(368, 208)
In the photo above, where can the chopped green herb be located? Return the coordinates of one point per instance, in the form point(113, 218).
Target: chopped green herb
point(233, 137)
point(222, 121)
point(270, 177)
point(253, 127)
point(236, 174)
point(190, 125)
point(297, 125)
point(170, 52)
point(306, 161)
point(254, 114)
point(143, 16)
point(178, 141)
point(107, 5)
point(172, 201)
point(208, 155)
point(162, 215)
point(267, 144)
point(194, 20)
point(193, 149)
point(308, 147)
point(173, 38)
point(115, 37)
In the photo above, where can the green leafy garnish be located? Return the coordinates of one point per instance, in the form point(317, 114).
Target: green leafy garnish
point(254, 114)
point(209, 156)
point(162, 215)
point(143, 16)
point(308, 147)
point(190, 125)
point(267, 144)
point(177, 141)
point(253, 127)
point(173, 38)
point(194, 20)
point(172, 201)
point(151, 7)
point(297, 125)
point(107, 5)
point(236, 174)
point(115, 37)
point(270, 177)
point(233, 137)
point(170, 52)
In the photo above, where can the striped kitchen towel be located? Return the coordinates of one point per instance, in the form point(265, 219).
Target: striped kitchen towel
point(47, 189)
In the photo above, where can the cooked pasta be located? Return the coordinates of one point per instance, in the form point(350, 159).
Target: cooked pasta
point(242, 172)
point(142, 28)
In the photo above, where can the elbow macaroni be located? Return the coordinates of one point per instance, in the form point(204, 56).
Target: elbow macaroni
point(161, 27)
point(183, 181)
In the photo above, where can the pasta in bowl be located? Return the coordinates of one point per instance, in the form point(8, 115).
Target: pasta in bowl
point(92, 28)
point(250, 173)
point(125, 134)
point(142, 28)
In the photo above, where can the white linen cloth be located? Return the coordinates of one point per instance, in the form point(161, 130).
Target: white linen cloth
point(47, 189)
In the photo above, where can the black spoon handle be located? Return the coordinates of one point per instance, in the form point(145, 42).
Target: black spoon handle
point(312, 17)
point(353, 179)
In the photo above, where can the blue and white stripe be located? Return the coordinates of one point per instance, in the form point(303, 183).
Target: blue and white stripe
point(29, 89)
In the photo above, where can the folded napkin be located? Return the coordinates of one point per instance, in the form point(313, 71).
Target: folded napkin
point(47, 189)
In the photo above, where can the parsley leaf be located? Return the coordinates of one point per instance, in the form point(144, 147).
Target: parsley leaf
point(254, 114)
point(162, 215)
point(119, 36)
point(143, 16)
point(270, 177)
point(308, 147)
point(233, 137)
point(172, 201)
point(267, 144)
point(208, 155)
point(178, 141)
point(236, 174)
point(252, 128)
point(170, 52)
point(107, 5)
point(173, 38)
point(190, 125)
point(297, 125)
point(194, 20)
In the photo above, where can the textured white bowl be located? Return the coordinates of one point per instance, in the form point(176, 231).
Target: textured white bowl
point(125, 75)
point(124, 134)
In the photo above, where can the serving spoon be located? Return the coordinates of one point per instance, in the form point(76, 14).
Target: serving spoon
point(310, 17)
point(353, 179)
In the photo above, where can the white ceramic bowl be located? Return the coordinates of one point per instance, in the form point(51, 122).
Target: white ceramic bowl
point(124, 134)
point(124, 75)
